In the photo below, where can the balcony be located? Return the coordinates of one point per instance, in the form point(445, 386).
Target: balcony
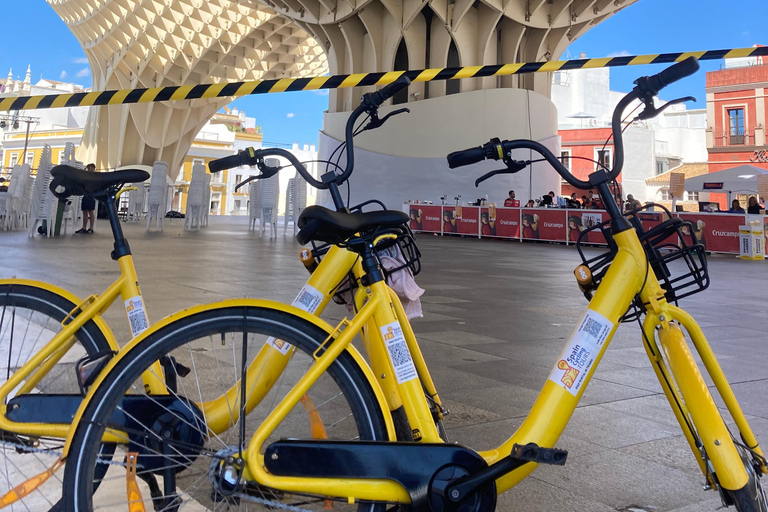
point(725, 139)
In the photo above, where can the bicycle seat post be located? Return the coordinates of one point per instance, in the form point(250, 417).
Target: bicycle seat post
point(121, 247)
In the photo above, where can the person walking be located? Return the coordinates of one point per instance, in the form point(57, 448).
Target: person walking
point(88, 206)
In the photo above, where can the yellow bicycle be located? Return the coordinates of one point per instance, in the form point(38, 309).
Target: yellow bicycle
point(312, 425)
point(52, 346)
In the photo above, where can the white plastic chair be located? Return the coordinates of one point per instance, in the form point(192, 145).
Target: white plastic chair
point(206, 206)
point(19, 191)
point(268, 199)
point(42, 199)
point(156, 197)
point(295, 201)
point(195, 197)
point(253, 209)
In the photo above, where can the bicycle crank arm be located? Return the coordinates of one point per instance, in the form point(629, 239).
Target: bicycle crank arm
point(521, 455)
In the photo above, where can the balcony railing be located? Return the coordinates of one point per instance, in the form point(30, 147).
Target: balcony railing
point(726, 139)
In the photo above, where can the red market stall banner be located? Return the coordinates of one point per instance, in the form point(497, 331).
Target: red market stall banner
point(499, 222)
point(583, 220)
point(718, 232)
point(424, 218)
point(467, 220)
point(543, 224)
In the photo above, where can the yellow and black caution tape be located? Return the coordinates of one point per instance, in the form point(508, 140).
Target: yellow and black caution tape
point(232, 89)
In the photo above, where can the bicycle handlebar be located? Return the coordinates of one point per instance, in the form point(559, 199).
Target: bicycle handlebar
point(370, 103)
point(645, 90)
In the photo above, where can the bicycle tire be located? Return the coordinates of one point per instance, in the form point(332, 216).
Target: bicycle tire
point(751, 497)
point(30, 310)
point(203, 342)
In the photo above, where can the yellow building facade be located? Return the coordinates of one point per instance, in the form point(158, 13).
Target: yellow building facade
point(209, 145)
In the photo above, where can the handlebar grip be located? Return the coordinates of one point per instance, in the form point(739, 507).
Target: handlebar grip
point(466, 157)
point(674, 73)
point(228, 162)
point(386, 92)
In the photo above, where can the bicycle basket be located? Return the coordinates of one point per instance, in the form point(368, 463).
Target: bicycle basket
point(674, 253)
point(402, 248)
point(408, 254)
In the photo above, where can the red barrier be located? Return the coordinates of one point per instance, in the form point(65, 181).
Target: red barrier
point(467, 220)
point(499, 222)
point(426, 218)
point(582, 220)
point(544, 224)
point(718, 231)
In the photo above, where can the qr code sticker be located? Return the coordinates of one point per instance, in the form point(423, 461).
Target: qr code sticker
point(137, 316)
point(399, 354)
point(402, 362)
point(308, 299)
point(595, 328)
point(592, 327)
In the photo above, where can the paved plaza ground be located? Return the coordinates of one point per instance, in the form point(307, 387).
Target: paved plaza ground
point(496, 316)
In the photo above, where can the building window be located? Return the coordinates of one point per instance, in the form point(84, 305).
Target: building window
point(238, 179)
point(691, 196)
point(659, 167)
point(215, 201)
point(565, 158)
point(238, 204)
point(736, 126)
point(196, 161)
point(14, 159)
point(61, 157)
point(30, 159)
point(665, 196)
point(603, 157)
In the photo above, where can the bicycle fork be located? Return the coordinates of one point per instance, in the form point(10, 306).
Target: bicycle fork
point(691, 400)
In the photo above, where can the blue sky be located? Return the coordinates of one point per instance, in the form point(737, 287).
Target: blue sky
point(41, 39)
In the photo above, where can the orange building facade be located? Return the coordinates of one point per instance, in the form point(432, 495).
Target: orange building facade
point(736, 118)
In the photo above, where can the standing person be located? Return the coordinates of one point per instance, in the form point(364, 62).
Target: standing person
point(511, 202)
point(754, 207)
point(88, 207)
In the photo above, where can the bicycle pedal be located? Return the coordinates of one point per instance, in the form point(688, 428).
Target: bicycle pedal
point(532, 452)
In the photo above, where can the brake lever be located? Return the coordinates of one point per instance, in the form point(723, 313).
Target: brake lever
point(651, 111)
point(513, 166)
point(266, 172)
point(375, 122)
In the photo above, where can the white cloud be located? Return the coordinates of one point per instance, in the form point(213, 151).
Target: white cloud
point(80, 60)
point(83, 72)
point(321, 92)
point(63, 75)
point(290, 115)
point(622, 53)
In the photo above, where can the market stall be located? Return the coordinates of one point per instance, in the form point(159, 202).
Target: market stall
point(719, 232)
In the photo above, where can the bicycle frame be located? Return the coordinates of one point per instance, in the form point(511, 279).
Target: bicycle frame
point(126, 287)
point(379, 308)
point(628, 275)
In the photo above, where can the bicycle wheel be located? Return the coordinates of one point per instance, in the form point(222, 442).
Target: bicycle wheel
point(751, 497)
point(30, 317)
point(209, 345)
